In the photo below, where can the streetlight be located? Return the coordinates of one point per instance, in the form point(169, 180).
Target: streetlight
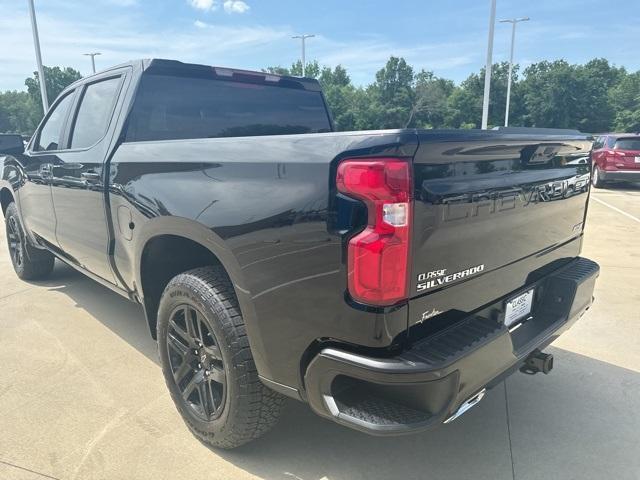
point(513, 22)
point(93, 60)
point(487, 71)
point(36, 44)
point(303, 37)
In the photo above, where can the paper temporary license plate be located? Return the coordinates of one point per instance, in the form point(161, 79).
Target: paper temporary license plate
point(518, 307)
point(637, 159)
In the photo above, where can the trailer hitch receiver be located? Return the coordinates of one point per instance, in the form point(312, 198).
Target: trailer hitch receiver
point(536, 362)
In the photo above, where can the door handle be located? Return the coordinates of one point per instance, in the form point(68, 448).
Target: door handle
point(91, 177)
point(46, 170)
point(71, 166)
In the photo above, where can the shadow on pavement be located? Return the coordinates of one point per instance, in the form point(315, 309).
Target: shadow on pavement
point(618, 186)
point(581, 421)
point(122, 317)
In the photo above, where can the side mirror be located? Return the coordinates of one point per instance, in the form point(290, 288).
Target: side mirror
point(11, 144)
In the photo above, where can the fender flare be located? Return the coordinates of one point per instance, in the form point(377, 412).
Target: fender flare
point(199, 233)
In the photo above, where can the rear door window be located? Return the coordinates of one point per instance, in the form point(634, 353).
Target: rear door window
point(94, 113)
point(172, 107)
point(51, 131)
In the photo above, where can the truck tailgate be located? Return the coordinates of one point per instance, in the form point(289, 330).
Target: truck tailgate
point(492, 211)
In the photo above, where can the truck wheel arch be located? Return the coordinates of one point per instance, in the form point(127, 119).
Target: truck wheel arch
point(169, 246)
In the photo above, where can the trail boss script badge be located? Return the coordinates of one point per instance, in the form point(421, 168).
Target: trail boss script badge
point(439, 278)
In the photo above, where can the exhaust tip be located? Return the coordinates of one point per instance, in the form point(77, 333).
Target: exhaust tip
point(467, 405)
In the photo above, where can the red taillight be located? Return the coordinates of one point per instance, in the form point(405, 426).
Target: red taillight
point(614, 157)
point(378, 256)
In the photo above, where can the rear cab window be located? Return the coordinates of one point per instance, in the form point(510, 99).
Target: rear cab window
point(181, 107)
point(96, 107)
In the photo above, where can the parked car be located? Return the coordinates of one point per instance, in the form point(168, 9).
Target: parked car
point(616, 158)
point(387, 278)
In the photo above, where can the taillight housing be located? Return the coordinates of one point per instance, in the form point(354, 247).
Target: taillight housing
point(614, 157)
point(378, 257)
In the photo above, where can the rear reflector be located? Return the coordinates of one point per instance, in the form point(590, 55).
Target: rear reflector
point(378, 256)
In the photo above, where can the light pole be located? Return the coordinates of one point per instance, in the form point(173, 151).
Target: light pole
point(513, 22)
point(93, 60)
point(36, 44)
point(489, 65)
point(303, 37)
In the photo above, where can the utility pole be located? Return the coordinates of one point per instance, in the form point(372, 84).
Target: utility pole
point(487, 72)
point(93, 61)
point(36, 44)
point(303, 37)
point(513, 22)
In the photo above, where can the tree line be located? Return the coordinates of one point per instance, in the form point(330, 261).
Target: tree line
point(592, 97)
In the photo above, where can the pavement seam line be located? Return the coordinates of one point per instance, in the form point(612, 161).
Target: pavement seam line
point(28, 470)
point(16, 293)
point(622, 212)
point(506, 404)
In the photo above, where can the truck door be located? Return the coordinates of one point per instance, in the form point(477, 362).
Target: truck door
point(78, 177)
point(35, 195)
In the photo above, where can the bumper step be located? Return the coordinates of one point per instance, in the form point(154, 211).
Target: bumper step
point(359, 406)
point(447, 346)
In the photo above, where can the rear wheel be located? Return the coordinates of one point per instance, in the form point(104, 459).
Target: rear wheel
point(207, 362)
point(596, 178)
point(29, 263)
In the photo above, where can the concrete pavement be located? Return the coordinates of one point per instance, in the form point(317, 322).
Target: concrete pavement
point(82, 395)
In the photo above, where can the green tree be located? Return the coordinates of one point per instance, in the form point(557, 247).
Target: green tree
point(551, 93)
point(392, 95)
point(341, 96)
point(312, 69)
point(560, 95)
point(57, 79)
point(625, 101)
point(597, 78)
point(431, 106)
point(466, 101)
point(18, 113)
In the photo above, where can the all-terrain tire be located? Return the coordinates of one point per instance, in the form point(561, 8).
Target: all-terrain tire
point(29, 262)
point(250, 409)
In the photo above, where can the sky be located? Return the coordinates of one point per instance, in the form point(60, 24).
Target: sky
point(446, 37)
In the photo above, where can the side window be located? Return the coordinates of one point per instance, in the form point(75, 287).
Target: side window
point(51, 130)
point(611, 142)
point(94, 113)
point(598, 143)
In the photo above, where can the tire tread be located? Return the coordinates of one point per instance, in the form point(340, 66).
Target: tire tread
point(260, 407)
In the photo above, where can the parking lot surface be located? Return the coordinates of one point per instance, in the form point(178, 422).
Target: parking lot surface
point(82, 394)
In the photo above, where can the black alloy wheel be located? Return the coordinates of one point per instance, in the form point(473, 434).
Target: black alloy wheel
point(29, 262)
point(207, 361)
point(196, 362)
point(15, 242)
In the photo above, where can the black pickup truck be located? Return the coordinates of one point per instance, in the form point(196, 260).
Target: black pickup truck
point(387, 278)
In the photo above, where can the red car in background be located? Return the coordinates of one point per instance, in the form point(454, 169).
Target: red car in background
point(616, 158)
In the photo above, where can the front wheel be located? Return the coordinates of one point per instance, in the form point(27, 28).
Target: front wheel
point(29, 263)
point(207, 362)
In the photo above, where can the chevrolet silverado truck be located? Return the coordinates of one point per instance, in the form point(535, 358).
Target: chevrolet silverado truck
point(386, 278)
